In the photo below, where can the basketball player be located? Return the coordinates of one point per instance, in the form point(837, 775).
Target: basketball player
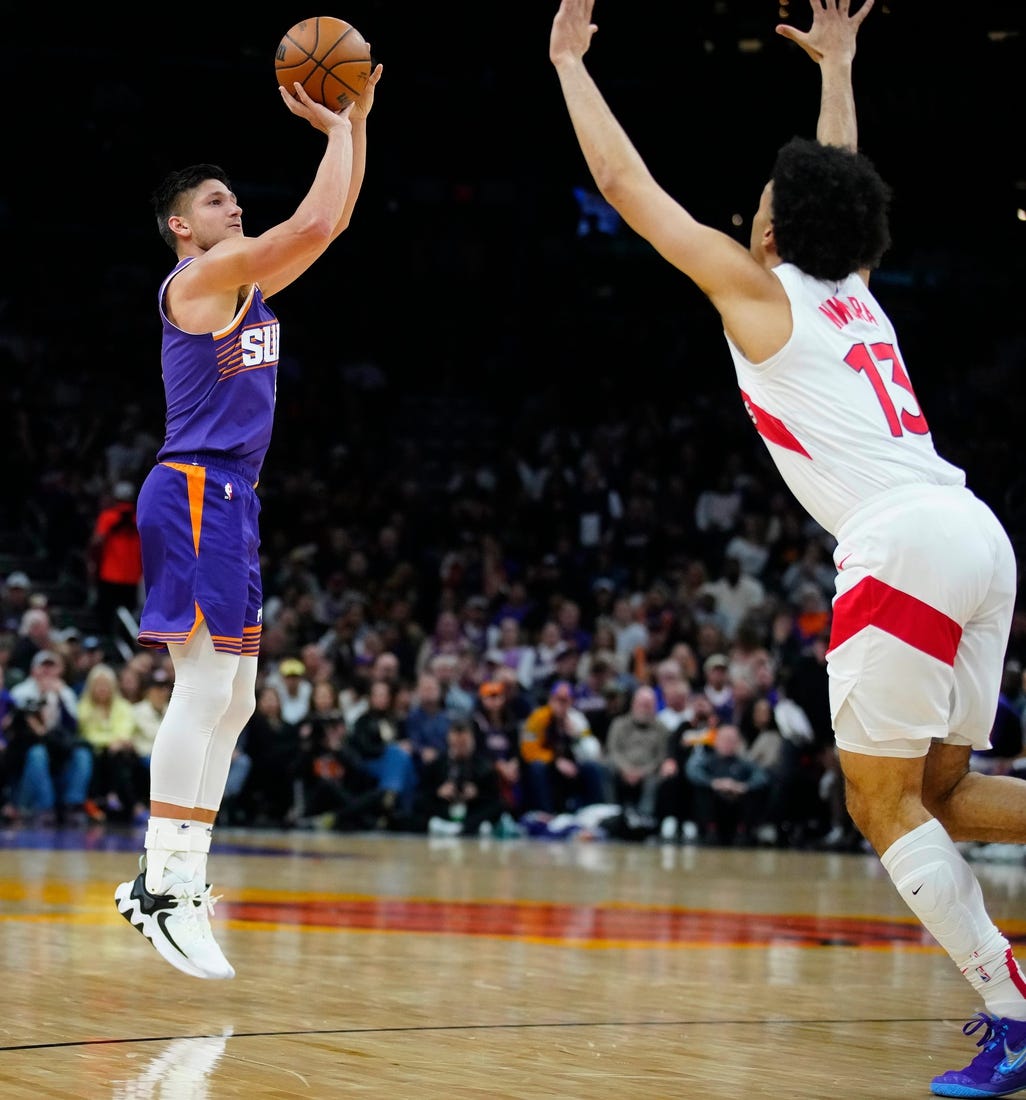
point(926, 575)
point(197, 510)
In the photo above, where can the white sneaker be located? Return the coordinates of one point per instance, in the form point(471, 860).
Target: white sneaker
point(690, 831)
point(669, 829)
point(177, 923)
point(439, 826)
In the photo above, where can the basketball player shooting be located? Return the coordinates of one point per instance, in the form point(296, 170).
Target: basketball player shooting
point(926, 575)
point(198, 509)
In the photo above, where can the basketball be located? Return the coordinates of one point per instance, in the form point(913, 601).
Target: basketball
point(328, 56)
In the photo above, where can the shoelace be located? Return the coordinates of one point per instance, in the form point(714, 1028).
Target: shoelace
point(994, 1033)
point(206, 901)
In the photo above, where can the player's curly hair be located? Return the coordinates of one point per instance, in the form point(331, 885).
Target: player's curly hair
point(830, 209)
point(167, 197)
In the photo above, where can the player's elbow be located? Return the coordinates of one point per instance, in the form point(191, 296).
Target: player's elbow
point(314, 231)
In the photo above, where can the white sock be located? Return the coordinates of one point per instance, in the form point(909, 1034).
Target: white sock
point(941, 889)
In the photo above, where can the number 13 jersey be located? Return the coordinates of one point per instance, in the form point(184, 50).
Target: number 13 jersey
point(835, 406)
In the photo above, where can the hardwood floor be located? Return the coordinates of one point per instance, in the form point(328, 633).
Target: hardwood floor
point(399, 966)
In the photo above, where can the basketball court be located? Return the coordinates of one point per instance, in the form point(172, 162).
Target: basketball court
point(401, 966)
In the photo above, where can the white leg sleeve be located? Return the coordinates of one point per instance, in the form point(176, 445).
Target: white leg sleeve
point(201, 696)
point(941, 889)
point(226, 735)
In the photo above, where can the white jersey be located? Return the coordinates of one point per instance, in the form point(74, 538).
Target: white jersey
point(835, 405)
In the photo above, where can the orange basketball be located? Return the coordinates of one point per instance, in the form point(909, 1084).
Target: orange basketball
point(328, 56)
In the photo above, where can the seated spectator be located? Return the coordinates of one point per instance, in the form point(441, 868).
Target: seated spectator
point(273, 747)
point(427, 724)
point(498, 732)
point(49, 764)
point(778, 757)
point(106, 720)
point(728, 789)
point(560, 757)
point(460, 788)
point(375, 745)
point(642, 770)
point(337, 792)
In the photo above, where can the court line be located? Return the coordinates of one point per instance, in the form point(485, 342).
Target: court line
point(71, 1044)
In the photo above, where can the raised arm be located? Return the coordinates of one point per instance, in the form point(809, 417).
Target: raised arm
point(358, 117)
point(830, 42)
point(743, 291)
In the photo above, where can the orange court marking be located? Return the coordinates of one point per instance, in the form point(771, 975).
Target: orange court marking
point(594, 926)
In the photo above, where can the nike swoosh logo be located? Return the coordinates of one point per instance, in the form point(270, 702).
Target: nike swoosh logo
point(162, 921)
point(840, 564)
point(918, 888)
point(1014, 1059)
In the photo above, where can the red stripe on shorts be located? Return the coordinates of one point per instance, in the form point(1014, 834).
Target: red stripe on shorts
point(873, 603)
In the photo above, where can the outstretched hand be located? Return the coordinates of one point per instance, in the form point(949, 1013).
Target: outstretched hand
point(572, 29)
point(833, 30)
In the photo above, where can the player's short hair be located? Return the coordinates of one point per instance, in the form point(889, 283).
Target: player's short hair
point(830, 209)
point(167, 198)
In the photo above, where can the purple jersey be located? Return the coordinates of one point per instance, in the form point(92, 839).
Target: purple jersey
point(220, 386)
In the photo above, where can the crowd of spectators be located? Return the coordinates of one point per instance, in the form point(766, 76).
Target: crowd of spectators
point(511, 480)
point(595, 621)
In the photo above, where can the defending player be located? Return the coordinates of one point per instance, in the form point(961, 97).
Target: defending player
point(926, 576)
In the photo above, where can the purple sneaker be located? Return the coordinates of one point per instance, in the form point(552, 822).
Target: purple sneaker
point(1000, 1067)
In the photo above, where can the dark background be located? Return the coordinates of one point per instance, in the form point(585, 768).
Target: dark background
point(464, 271)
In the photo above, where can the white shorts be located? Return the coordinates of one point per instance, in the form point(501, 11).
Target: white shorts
point(924, 597)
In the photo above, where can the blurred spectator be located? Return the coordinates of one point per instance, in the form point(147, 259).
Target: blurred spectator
point(736, 594)
point(507, 647)
point(427, 724)
point(376, 746)
point(35, 634)
point(460, 788)
point(337, 793)
point(561, 761)
point(541, 664)
point(498, 732)
point(455, 698)
point(107, 721)
point(149, 712)
point(446, 638)
point(729, 790)
point(115, 558)
point(49, 763)
point(14, 601)
point(294, 690)
point(273, 747)
point(751, 546)
point(637, 753)
point(717, 687)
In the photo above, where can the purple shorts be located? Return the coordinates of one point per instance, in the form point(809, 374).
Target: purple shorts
point(199, 527)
